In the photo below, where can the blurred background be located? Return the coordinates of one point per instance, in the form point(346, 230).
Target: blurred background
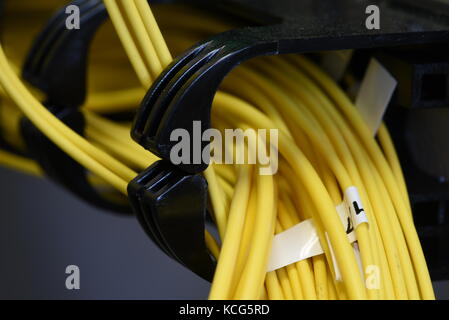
point(44, 229)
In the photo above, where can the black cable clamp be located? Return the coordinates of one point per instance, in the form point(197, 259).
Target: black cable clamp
point(183, 93)
point(57, 65)
point(169, 204)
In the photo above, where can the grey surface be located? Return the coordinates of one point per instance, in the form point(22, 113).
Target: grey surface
point(43, 229)
point(441, 289)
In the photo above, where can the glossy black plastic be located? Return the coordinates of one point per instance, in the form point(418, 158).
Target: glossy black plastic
point(57, 64)
point(171, 205)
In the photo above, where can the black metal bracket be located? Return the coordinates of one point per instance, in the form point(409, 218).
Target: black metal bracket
point(184, 92)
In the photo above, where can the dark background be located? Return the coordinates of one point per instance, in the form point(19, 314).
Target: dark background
point(44, 229)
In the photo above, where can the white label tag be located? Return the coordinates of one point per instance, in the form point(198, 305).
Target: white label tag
point(336, 62)
point(358, 258)
point(346, 221)
point(375, 94)
point(301, 241)
point(294, 244)
point(345, 217)
point(350, 219)
point(357, 211)
point(334, 260)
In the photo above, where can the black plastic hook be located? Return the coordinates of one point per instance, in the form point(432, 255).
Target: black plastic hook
point(57, 64)
point(171, 206)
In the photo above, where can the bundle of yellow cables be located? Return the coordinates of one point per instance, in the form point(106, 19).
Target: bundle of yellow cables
point(324, 148)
